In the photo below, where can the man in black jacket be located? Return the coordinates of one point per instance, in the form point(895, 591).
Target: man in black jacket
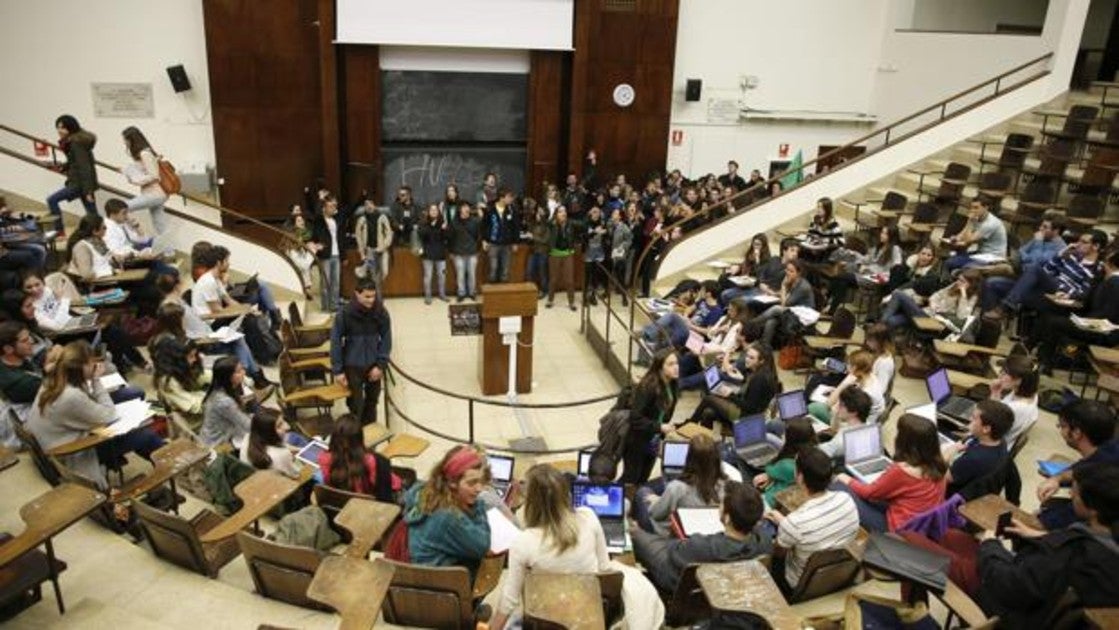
point(501, 231)
point(731, 178)
point(360, 344)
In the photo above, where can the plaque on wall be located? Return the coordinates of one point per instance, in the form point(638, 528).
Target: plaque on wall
point(123, 100)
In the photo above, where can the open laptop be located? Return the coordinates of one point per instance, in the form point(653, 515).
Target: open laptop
point(791, 405)
point(928, 412)
point(79, 322)
point(695, 342)
point(940, 392)
point(501, 471)
point(750, 441)
point(715, 383)
point(673, 456)
point(583, 470)
point(862, 453)
point(608, 501)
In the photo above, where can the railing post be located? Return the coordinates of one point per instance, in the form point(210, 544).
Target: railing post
point(998, 84)
point(943, 109)
point(470, 406)
point(887, 141)
point(388, 407)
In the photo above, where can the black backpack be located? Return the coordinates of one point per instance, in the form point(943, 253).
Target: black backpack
point(614, 426)
point(263, 342)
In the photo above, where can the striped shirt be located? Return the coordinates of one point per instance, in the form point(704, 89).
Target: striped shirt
point(828, 521)
point(1073, 276)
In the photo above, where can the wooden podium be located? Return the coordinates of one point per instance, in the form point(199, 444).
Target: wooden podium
point(506, 300)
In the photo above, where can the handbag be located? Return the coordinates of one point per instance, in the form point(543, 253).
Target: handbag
point(168, 179)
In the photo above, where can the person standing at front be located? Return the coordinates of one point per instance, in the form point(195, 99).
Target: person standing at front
point(324, 233)
point(502, 229)
point(360, 343)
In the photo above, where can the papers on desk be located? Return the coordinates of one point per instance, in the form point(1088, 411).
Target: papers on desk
point(1051, 468)
point(988, 259)
point(659, 306)
point(225, 334)
point(820, 393)
point(130, 416)
point(743, 281)
point(1100, 324)
point(766, 299)
point(703, 521)
point(502, 530)
point(718, 264)
point(113, 381)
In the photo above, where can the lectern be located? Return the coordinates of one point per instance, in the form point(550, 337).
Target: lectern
point(506, 300)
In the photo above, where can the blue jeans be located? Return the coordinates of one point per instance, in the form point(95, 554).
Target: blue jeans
point(154, 205)
point(143, 442)
point(439, 267)
point(670, 330)
point(68, 194)
point(538, 271)
point(900, 310)
point(330, 270)
point(691, 372)
point(238, 348)
point(958, 261)
point(1030, 287)
point(23, 256)
point(466, 268)
point(872, 515)
point(499, 257)
point(994, 291)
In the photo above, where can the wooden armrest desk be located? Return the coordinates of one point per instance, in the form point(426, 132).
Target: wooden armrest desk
point(984, 512)
point(366, 521)
point(355, 588)
point(572, 600)
point(123, 276)
point(746, 586)
point(261, 492)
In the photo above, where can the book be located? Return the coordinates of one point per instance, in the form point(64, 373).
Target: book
point(131, 415)
point(689, 522)
point(1100, 325)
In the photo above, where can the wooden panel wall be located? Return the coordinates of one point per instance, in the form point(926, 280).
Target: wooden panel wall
point(612, 46)
point(265, 98)
point(361, 119)
point(549, 73)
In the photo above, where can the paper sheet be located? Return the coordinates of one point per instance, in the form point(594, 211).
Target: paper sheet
point(130, 415)
point(502, 530)
point(699, 521)
point(113, 381)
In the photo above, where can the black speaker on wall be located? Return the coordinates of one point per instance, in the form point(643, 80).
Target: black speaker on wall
point(693, 89)
point(178, 77)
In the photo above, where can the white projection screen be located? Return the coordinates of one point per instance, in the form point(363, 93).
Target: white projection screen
point(519, 24)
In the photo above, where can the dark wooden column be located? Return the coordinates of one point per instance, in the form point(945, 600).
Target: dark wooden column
point(328, 81)
point(361, 120)
point(547, 120)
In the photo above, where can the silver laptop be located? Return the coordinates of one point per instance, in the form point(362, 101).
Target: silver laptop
point(949, 405)
point(608, 502)
point(715, 383)
point(791, 405)
point(501, 471)
point(862, 452)
point(673, 457)
point(80, 321)
point(750, 441)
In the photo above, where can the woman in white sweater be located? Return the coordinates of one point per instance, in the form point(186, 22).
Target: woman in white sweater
point(265, 448)
point(144, 172)
point(560, 539)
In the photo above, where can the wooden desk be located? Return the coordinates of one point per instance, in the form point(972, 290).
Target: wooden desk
point(820, 342)
point(404, 445)
point(236, 309)
point(572, 600)
point(746, 586)
point(984, 512)
point(8, 457)
point(929, 325)
point(353, 587)
point(120, 277)
point(965, 381)
point(261, 492)
point(170, 461)
point(957, 349)
point(329, 393)
point(373, 434)
point(691, 429)
point(366, 521)
point(1102, 618)
point(311, 363)
point(570, 466)
point(1105, 355)
point(46, 516)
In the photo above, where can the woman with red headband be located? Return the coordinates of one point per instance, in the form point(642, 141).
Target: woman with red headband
point(447, 523)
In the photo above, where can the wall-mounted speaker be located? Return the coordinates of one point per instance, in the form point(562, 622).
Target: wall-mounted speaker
point(178, 76)
point(692, 89)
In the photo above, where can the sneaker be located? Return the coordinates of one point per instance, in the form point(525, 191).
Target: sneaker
point(571, 306)
point(548, 305)
point(427, 301)
point(460, 299)
point(443, 298)
point(263, 393)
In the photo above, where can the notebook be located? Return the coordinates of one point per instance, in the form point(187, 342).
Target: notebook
point(940, 392)
point(673, 457)
point(309, 454)
point(750, 441)
point(501, 471)
point(791, 405)
point(862, 452)
point(692, 521)
point(928, 412)
point(608, 502)
point(502, 530)
point(900, 558)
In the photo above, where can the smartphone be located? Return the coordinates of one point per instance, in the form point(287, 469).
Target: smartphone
point(1003, 523)
point(835, 365)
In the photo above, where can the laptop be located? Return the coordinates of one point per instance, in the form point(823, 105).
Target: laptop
point(80, 321)
point(940, 392)
point(673, 457)
point(715, 383)
point(750, 441)
point(583, 470)
point(695, 342)
point(310, 453)
point(928, 412)
point(608, 501)
point(862, 452)
point(501, 471)
point(791, 405)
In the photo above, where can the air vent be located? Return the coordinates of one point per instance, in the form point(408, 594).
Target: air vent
point(620, 5)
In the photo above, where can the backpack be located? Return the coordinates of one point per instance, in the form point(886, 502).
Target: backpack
point(612, 431)
point(262, 340)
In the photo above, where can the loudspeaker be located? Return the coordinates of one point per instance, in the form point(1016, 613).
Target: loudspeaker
point(692, 90)
point(178, 77)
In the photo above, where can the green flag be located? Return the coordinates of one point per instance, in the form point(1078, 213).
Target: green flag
point(795, 172)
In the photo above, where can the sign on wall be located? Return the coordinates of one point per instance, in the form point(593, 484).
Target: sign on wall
point(123, 100)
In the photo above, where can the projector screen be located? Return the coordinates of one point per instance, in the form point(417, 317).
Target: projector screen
point(521, 24)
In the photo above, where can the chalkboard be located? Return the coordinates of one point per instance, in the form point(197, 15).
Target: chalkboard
point(453, 106)
point(429, 170)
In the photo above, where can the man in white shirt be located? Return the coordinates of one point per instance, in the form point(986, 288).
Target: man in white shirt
point(325, 233)
point(121, 240)
point(209, 295)
point(826, 520)
point(850, 411)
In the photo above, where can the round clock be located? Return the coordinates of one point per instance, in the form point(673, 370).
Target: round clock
point(624, 95)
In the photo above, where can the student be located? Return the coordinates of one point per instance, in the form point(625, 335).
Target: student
point(349, 466)
point(879, 261)
point(1016, 386)
point(699, 485)
point(665, 558)
point(17, 306)
point(594, 254)
point(823, 229)
point(781, 472)
point(80, 169)
point(447, 525)
point(466, 233)
point(144, 172)
point(265, 448)
point(90, 258)
point(1088, 427)
point(326, 234)
point(125, 244)
point(561, 257)
point(912, 484)
point(731, 178)
point(502, 230)
point(1059, 329)
point(224, 418)
point(297, 246)
point(404, 217)
point(672, 329)
point(20, 377)
point(850, 411)
point(826, 520)
point(538, 257)
point(879, 342)
point(448, 208)
point(71, 403)
point(1071, 275)
point(1045, 244)
point(860, 373)
point(756, 257)
point(179, 378)
point(759, 386)
point(795, 291)
point(720, 340)
point(433, 239)
point(621, 247)
point(956, 302)
point(374, 236)
point(654, 402)
point(983, 451)
point(984, 230)
point(360, 344)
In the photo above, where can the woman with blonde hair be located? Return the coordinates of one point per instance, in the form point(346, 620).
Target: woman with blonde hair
point(560, 539)
point(446, 522)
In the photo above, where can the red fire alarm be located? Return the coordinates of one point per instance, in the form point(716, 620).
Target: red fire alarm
point(677, 137)
point(783, 149)
point(41, 149)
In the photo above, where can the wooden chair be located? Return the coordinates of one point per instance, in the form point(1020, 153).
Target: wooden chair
point(688, 604)
point(1084, 211)
point(293, 380)
point(332, 500)
point(995, 186)
point(825, 572)
point(297, 348)
point(610, 584)
point(1013, 156)
point(280, 571)
point(1037, 198)
point(24, 577)
point(436, 597)
point(842, 329)
point(175, 539)
point(308, 335)
point(43, 464)
point(1055, 158)
point(1077, 124)
point(893, 203)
